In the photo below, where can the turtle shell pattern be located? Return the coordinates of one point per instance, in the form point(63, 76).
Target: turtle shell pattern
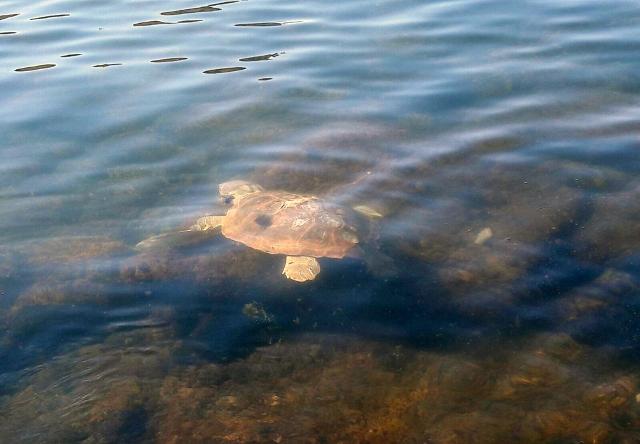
point(278, 222)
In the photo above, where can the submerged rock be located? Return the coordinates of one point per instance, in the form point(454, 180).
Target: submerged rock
point(67, 270)
point(483, 231)
point(330, 158)
point(609, 291)
point(97, 394)
point(59, 292)
point(155, 266)
point(478, 267)
point(327, 389)
point(70, 249)
point(613, 230)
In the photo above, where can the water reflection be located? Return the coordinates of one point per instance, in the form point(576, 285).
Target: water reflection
point(229, 2)
point(152, 23)
point(265, 24)
point(169, 59)
point(105, 65)
point(6, 16)
point(35, 67)
point(75, 54)
point(224, 70)
point(259, 58)
point(191, 10)
point(50, 16)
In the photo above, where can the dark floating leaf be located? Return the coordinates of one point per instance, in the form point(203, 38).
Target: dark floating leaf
point(70, 55)
point(190, 21)
point(224, 70)
point(35, 67)
point(262, 79)
point(260, 24)
point(151, 23)
point(50, 16)
point(7, 32)
point(6, 16)
point(104, 65)
point(259, 58)
point(191, 10)
point(169, 59)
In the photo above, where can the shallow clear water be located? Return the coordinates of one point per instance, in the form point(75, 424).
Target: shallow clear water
point(496, 300)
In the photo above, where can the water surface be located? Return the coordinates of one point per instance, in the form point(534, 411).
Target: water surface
point(498, 300)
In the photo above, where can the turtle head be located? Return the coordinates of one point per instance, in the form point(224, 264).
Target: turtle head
point(236, 189)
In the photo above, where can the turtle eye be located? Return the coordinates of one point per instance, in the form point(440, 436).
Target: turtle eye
point(228, 200)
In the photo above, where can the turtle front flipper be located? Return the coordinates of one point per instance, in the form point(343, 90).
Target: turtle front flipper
point(206, 223)
point(301, 268)
point(181, 238)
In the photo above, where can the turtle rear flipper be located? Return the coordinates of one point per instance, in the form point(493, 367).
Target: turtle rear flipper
point(301, 268)
point(368, 211)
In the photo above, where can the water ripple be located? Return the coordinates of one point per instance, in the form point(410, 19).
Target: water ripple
point(224, 70)
point(35, 67)
point(191, 10)
point(50, 16)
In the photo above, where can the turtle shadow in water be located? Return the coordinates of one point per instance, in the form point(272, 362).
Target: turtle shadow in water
point(412, 308)
point(345, 299)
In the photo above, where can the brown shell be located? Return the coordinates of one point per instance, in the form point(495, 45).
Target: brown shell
point(277, 222)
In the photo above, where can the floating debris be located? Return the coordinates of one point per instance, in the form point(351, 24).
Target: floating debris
point(152, 23)
point(224, 70)
point(484, 235)
point(50, 16)
point(6, 16)
point(104, 65)
point(191, 10)
point(259, 58)
point(169, 59)
point(35, 67)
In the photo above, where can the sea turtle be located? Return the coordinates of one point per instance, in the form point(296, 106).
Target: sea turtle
point(302, 227)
